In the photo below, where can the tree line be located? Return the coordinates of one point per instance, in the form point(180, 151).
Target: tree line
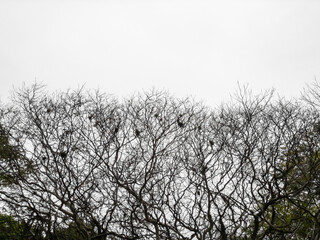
point(85, 165)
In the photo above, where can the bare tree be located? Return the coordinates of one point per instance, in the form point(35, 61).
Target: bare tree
point(154, 167)
point(311, 94)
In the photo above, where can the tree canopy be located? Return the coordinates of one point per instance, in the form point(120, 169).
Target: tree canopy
point(85, 165)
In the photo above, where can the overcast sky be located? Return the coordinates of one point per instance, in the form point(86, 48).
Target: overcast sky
point(188, 47)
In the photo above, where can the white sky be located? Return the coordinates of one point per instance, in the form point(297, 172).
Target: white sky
point(189, 47)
